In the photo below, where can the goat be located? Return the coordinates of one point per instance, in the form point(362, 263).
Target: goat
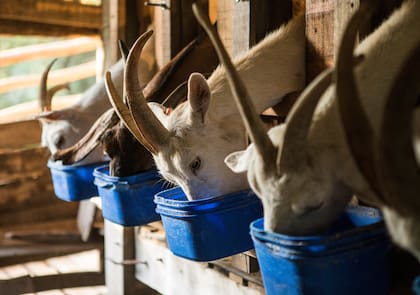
point(189, 143)
point(387, 161)
point(315, 177)
point(63, 128)
point(128, 156)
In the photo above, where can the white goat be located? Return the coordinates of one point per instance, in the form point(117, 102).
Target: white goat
point(387, 160)
point(315, 173)
point(63, 128)
point(189, 143)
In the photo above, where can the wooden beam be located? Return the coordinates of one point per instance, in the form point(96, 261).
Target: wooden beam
point(66, 75)
point(49, 50)
point(266, 16)
point(16, 27)
point(320, 36)
point(16, 135)
point(119, 249)
point(53, 12)
point(31, 284)
point(233, 25)
point(158, 268)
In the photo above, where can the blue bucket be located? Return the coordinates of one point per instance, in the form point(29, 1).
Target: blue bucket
point(128, 200)
point(416, 285)
point(73, 182)
point(208, 229)
point(350, 259)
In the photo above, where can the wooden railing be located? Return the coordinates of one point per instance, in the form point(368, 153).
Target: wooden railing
point(53, 50)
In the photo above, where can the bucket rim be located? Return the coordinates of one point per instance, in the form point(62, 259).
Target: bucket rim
point(100, 174)
point(57, 165)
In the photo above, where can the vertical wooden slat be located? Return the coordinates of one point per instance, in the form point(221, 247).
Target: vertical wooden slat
point(266, 16)
point(233, 25)
point(343, 11)
point(320, 36)
point(119, 247)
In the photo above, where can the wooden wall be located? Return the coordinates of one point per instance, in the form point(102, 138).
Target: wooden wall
point(26, 192)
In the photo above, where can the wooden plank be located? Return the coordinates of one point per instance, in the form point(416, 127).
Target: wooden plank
point(55, 210)
point(113, 19)
point(184, 26)
point(320, 36)
point(66, 75)
point(27, 193)
point(266, 16)
point(23, 163)
point(85, 218)
point(29, 284)
point(343, 11)
point(18, 134)
point(47, 50)
point(119, 248)
point(168, 274)
point(163, 28)
point(19, 253)
point(53, 12)
point(15, 27)
point(233, 25)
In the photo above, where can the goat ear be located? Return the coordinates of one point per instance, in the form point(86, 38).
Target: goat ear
point(239, 161)
point(198, 97)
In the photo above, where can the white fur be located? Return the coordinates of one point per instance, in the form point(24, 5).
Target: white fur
point(271, 69)
point(71, 124)
point(330, 169)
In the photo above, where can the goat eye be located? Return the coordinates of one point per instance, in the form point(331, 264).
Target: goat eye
point(195, 165)
point(59, 141)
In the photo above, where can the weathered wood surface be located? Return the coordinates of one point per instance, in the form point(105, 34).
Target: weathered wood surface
point(66, 75)
point(55, 49)
point(30, 284)
point(16, 135)
point(52, 12)
point(168, 274)
point(320, 36)
point(233, 25)
point(175, 27)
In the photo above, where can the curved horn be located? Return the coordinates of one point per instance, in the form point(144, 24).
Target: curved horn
point(51, 92)
point(42, 98)
point(123, 49)
point(292, 152)
point(89, 142)
point(359, 133)
point(397, 161)
point(123, 112)
point(155, 135)
point(253, 123)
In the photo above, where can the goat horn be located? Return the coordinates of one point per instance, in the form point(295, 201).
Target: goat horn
point(89, 142)
point(154, 134)
point(43, 92)
point(397, 161)
point(51, 92)
point(253, 123)
point(292, 152)
point(122, 111)
point(123, 49)
point(358, 131)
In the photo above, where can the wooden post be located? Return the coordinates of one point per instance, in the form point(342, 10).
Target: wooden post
point(320, 36)
point(119, 248)
point(233, 25)
point(266, 16)
point(113, 29)
point(175, 26)
point(343, 11)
